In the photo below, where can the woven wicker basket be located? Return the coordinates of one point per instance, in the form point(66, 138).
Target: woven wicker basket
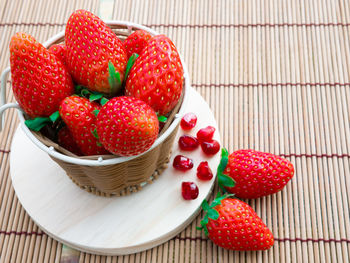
point(109, 175)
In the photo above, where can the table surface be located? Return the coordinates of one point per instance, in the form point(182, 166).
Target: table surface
point(276, 75)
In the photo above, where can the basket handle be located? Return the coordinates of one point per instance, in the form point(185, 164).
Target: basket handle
point(3, 105)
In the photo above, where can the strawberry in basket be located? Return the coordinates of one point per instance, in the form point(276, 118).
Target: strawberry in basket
point(40, 81)
point(97, 57)
point(78, 115)
point(127, 126)
point(157, 75)
point(136, 42)
point(59, 50)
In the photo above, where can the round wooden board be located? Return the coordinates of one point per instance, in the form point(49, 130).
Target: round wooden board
point(102, 225)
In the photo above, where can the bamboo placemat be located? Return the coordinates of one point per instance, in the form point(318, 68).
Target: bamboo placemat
point(276, 75)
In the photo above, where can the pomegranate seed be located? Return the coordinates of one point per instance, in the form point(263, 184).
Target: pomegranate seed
point(188, 121)
point(182, 163)
point(189, 190)
point(188, 143)
point(210, 148)
point(206, 134)
point(204, 172)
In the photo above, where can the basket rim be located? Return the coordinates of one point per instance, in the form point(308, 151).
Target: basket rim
point(100, 161)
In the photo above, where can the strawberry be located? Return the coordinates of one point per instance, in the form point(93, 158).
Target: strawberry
point(234, 225)
point(136, 42)
point(60, 51)
point(95, 53)
point(254, 174)
point(77, 113)
point(66, 140)
point(157, 75)
point(127, 126)
point(39, 79)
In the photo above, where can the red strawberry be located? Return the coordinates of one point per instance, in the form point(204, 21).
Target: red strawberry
point(233, 224)
point(136, 42)
point(66, 140)
point(77, 113)
point(256, 174)
point(127, 126)
point(91, 47)
point(157, 75)
point(39, 79)
point(60, 51)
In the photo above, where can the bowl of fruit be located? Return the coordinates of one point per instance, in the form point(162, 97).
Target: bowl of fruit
point(103, 99)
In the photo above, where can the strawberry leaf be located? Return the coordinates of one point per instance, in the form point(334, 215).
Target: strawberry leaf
point(213, 214)
point(94, 133)
point(78, 89)
point(205, 205)
point(130, 63)
point(223, 161)
point(37, 123)
point(54, 116)
point(114, 79)
point(96, 112)
point(162, 118)
point(85, 93)
point(224, 180)
point(103, 101)
point(99, 144)
point(95, 96)
point(204, 223)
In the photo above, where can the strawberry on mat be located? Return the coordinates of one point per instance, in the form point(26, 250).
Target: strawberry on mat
point(253, 174)
point(233, 224)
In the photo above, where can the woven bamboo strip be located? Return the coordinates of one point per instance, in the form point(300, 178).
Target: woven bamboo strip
point(322, 113)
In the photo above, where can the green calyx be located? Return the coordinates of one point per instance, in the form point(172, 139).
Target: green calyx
point(103, 101)
point(86, 93)
point(130, 63)
point(38, 123)
point(94, 133)
point(210, 211)
point(114, 80)
point(162, 118)
point(223, 179)
point(96, 112)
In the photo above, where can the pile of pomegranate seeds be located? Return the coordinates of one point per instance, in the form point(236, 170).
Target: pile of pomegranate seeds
point(209, 146)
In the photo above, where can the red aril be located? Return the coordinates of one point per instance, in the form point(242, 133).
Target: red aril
point(206, 134)
point(189, 190)
point(182, 163)
point(188, 143)
point(204, 172)
point(188, 121)
point(211, 147)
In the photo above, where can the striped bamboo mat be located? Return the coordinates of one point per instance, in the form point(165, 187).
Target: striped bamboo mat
point(276, 75)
